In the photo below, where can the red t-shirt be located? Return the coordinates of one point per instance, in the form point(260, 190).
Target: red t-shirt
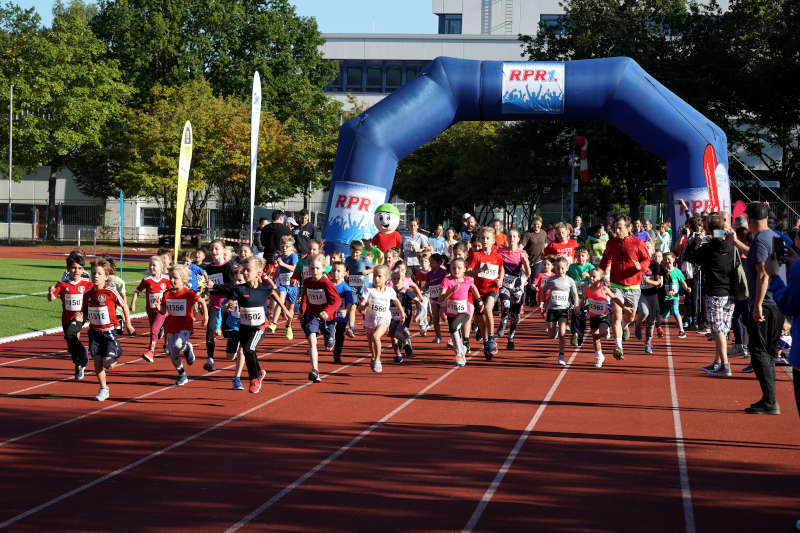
point(154, 290)
point(319, 296)
point(386, 241)
point(180, 309)
point(486, 281)
point(100, 307)
point(563, 249)
point(72, 293)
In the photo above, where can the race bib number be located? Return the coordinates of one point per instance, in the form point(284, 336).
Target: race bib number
point(216, 278)
point(155, 299)
point(73, 302)
point(435, 291)
point(98, 316)
point(408, 245)
point(356, 281)
point(316, 296)
point(489, 271)
point(176, 307)
point(598, 307)
point(457, 307)
point(396, 314)
point(509, 281)
point(379, 309)
point(252, 316)
point(285, 278)
point(559, 297)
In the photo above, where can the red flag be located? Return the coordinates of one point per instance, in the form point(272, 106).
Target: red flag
point(584, 144)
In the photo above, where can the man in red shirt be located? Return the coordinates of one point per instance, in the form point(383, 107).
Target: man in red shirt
point(628, 258)
point(486, 266)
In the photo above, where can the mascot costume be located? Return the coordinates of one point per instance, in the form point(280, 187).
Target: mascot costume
point(387, 218)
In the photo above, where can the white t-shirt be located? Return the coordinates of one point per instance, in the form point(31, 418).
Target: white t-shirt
point(409, 243)
point(378, 304)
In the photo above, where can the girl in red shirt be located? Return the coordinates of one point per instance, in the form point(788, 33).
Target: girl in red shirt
point(177, 306)
point(154, 285)
point(563, 246)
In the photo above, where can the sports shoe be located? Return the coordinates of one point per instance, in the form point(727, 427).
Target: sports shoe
point(314, 376)
point(272, 327)
point(737, 350)
point(747, 369)
point(722, 371)
point(461, 361)
point(423, 331)
point(183, 379)
point(501, 331)
point(437, 339)
point(290, 333)
point(79, 372)
point(467, 346)
point(682, 334)
point(637, 332)
point(510, 344)
point(780, 360)
point(209, 366)
point(618, 353)
point(189, 354)
point(102, 394)
point(562, 360)
point(450, 343)
point(237, 384)
point(408, 349)
point(704, 331)
point(492, 345)
point(574, 340)
point(377, 367)
point(255, 383)
point(761, 408)
point(598, 360)
point(660, 332)
point(711, 368)
point(626, 333)
point(329, 344)
point(148, 356)
point(648, 348)
point(398, 359)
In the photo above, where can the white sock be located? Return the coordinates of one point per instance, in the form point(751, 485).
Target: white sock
point(618, 342)
point(599, 353)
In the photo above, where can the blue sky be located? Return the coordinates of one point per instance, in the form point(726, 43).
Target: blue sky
point(336, 16)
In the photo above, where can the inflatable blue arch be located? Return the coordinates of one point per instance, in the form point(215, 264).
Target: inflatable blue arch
point(450, 90)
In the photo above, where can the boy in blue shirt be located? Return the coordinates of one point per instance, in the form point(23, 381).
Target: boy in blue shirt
point(359, 269)
point(345, 316)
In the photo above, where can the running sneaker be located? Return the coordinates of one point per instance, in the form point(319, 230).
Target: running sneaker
point(722, 371)
point(637, 332)
point(461, 361)
point(467, 346)
point(189, 354)
point(329, 344)
point(272, 327)
point(712, 367)
point(437, 339)
point(79, 372)
point(377, 367)
point(510, 344)
point(209, 366)
point(102, 394)
point(598, 360)
point(398, 359)
point(501, 331)
point(423, 331)
point(408, 349)
point(618, 354)
point(492, 345)
point(255, 383)
point(337, 359)
point(237, 384)
point(704, 331)
point(648, 348)
point(350, 332)
point(682, 334)
point(289, 333)
point(626, 333)
point(574, 339)
point(748, 369)
point(562, 360)
point(148, 356)
point(183, 379)
point(660, 332)
point(314, 376)
point(738, 350)
point(780, 360)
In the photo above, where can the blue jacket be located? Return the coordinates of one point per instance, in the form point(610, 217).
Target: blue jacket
point(788, 299)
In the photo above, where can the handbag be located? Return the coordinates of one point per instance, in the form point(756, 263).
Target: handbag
point(740, 291)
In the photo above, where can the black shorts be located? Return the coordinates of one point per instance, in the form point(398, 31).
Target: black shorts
point(396, 327)
point(103, 343)
point(554, 315)
point(493, 294)
point(596, 320)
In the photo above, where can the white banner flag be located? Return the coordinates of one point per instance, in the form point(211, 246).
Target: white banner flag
point(255, 122)
point(184, 162)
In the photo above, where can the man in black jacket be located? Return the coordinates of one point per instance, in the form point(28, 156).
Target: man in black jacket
point(304, 233)
point(271, 235)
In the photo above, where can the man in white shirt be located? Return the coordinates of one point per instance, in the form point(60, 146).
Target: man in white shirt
point(414, 243)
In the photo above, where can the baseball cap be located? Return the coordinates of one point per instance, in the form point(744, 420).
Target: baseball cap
point(292, 221)
point(741, 222)
point(466, 216)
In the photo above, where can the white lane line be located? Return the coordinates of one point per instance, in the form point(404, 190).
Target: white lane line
point(50, 331)
point(22, 295)
point(160, 452)
point(686, 492)
point(498, 478)
point(70, 378)
point(140, 397)
point(51, 354)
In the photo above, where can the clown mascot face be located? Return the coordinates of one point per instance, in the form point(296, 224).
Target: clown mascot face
point(387, 218)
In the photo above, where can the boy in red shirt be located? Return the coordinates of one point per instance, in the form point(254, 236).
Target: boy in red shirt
point(486, 267)
point(178, 305)
point(563, 246)
point(321, 301)
point(100, 307)
point(71, 292)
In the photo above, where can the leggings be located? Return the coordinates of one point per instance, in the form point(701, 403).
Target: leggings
point(339, 339)
point(578, 323)
point(456, 325)
point(250, 337)
point(80, 356)
point(211, 330)
point(177, 345)
point(510, 308)
point(647, 313)
point(156, 323)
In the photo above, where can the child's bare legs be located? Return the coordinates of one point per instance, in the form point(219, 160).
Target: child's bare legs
point(239, 363)
point(276, 309)
point(312, 351)
point(488, 318)
point(562, 332)
point(375, 341)
point(437, 319)
point(100, 370)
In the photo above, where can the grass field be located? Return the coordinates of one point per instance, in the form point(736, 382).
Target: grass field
point(23, 293)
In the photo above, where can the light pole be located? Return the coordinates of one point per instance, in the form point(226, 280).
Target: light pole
point(10, 142)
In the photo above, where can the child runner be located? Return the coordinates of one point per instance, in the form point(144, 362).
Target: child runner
point(422, 307)
point(598, 299)
point(579, 271)
point(100, 305)
point(486, 266)
point(542, 277)
point(166, 258)
point(457, 291)
point(230, 330)
point(648, 310)
point(516, 270)
point(178, 303)
point(345, 316)
point(196, 273)
point(71, 292)
point(407, 293)
point(562, 246)
point(461, 251)
point(673, 280)
point(560, 292)
point(433, 283)
point(658, 256)
point(320, 305)
point(154, 285)
point(118, 284)
point(220, 282)
point(359, 267)
point(391, 257)
point(287, 286)
point(375, 303)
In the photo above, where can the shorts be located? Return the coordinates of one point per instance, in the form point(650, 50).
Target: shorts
point(371, 321)
point(719, 312)
point(554, 315)
point(396, 327)
point(595, 321)
point(492, 293)
point(291, 293)
point(629, 296)
point(103, 343)
point(314, 324)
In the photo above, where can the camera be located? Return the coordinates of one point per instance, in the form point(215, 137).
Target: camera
point(720, 233)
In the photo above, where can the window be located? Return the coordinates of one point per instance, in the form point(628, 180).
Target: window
point(556, 22)
point(394, 77)
point(151, 216)
point(374, 78)
point(450, 24)
point(411, 73)
point(20, 213)
point(82, 215)
point(336, 85)
point(353, 80)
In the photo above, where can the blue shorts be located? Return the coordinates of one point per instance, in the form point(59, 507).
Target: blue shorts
point(103, 343)
point(314, 324)
point(291, 293)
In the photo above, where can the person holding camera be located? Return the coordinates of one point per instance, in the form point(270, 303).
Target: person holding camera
point(764, 319)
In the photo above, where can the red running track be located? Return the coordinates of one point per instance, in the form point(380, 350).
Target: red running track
point(516, 444)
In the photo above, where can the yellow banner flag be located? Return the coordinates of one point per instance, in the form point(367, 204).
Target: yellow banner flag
point(183, 182)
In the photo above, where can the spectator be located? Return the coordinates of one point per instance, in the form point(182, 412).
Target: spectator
point(740, 308)
point(500, 239)
point(257, 248)
point(787, 297)
point(663, 240)
point(596, 243)
point(765, 319)
point(534, 242)
point(414, 243)
point(450, 239)
point(437, 241)
point(271, 235)
point(304, 233)
point(648, 227)
point(465, 233)
point(578, 232)
point(639, 231)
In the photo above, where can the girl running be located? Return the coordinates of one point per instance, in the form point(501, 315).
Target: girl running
point(517, 270)
point(562, 246)
point(598, 300)
point(220, 282)
point(433, 283)
point(407, 293)
point(487, 267)
point(375, 303)
point(673, 280)
point(457, 291)
point(154, 285)
point(72, 291)
point(560, 294)
point(177, 305)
